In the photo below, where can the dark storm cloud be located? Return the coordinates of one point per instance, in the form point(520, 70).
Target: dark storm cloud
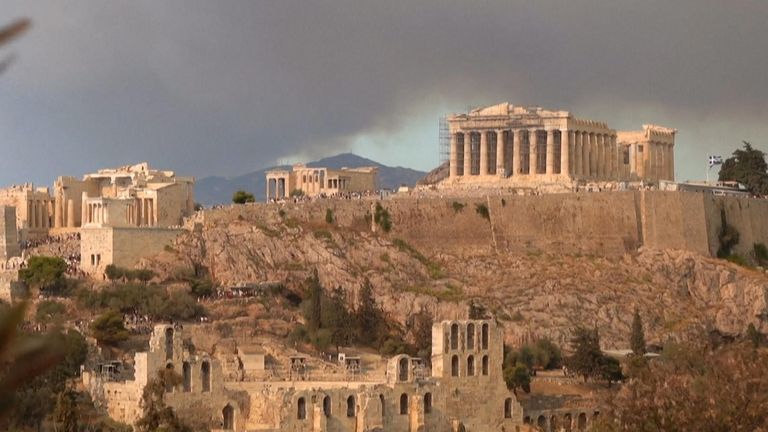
point(227, 87)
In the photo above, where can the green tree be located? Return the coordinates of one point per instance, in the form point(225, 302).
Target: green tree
point(517, 377)
point(314, 308)
point(336, 318)
point(548, 355)
point(157, 415)
point(65, 413)
point(44, 273)
point(370, 318)
point(381, 218)
point(637, 338)
point(422, 335)
point(748, 167)
point(587, 359)
point(242, 197)
point(49, 311)
point(610, 370)
point(109, 328)
point(114, 272)
point(754, 336)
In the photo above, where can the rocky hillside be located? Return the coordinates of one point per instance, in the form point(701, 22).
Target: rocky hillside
point(677, 293)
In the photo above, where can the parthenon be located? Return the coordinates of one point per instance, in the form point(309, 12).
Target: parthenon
point(530, 146)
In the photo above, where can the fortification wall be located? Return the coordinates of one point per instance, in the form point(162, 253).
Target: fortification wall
point(602, 223)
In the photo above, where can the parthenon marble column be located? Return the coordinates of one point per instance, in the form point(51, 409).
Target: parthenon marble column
point(454, 158)
point(467, 154)
point(500, 153)
point(550, 162)
point(672, 162)
point(587, 145)
point(483, 153)
point(578, 156)
point(565, 151)
point(600, 138)
point(516, 152)
point(533, 141)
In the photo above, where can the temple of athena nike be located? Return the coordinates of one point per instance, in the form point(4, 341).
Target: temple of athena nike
point(532, 146)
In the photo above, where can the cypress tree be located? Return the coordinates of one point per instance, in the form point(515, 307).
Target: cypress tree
point(637, 338)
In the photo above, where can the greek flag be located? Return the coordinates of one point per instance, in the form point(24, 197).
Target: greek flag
point(715, 160)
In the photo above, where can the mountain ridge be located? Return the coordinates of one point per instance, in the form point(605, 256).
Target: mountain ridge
point(213, 190)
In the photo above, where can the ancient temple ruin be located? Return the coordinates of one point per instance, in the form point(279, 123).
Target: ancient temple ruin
point(532, 146)
point(463, 389)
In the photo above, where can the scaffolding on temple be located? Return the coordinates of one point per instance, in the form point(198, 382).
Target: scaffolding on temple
point(444, 140)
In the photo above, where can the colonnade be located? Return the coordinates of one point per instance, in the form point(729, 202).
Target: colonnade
point(505, 153)
point(64, 213)
point(39, 213)
point(277, 187)
point(652, 160)
point(141, 213)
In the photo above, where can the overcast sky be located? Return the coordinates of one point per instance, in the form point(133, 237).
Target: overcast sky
point(228, 87)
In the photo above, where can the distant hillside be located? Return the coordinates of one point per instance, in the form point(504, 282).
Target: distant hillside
point(219, 190)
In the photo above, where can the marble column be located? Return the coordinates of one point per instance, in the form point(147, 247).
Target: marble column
point(533, 141)
point(618, 158)
point(587, 144)
point(672, 162)
point(601, 156)
point(467, 154)
point(500, 154)
point(550, 162)
point(58, 212)
point(484, 153)
point(516, 152)
point(454, 158)
point(71, 213)
point(578, 154)
point(565, 151)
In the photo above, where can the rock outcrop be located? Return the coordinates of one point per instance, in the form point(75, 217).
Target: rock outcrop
point(679, 294)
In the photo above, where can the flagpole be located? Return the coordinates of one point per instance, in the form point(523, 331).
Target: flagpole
point(708, 168)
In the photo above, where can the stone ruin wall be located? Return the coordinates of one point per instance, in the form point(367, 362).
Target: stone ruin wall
point(603, 223)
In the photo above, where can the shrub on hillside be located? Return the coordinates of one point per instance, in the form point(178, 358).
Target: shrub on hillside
point(44, 273)
point(109, 329)
point(242, 197)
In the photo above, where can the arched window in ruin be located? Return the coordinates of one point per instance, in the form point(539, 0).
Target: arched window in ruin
point(455, 366)
point(508, 408)
point(168, 343)
point(383, 411)
point(205, 376)
point(427, 403)
point(485, 365)
point(403, 369)
point(581, 423)
point(301, 409)
point(527, 420)
point(403, 404)
point(554, 424)
point(454, 336)
point(471, 366)
point(168, 384)
point(485, 336)
point(229, 417)
point(327, 406)
point(351, 406)
point(567, 422)
point(541, 422)
point(470, 336)
point(186, 370)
